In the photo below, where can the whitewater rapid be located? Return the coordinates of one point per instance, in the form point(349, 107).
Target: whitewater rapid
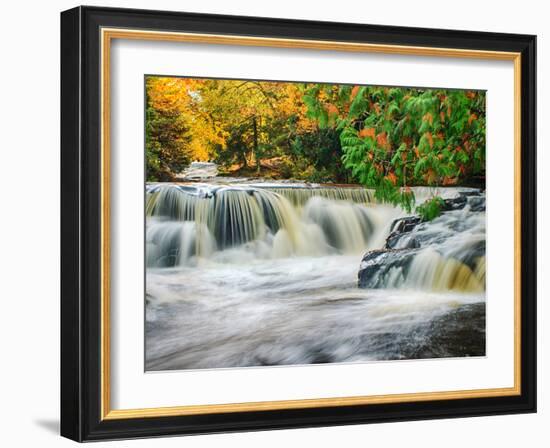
point(268, 275)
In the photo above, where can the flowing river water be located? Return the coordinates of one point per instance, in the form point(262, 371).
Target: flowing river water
point(267, 274)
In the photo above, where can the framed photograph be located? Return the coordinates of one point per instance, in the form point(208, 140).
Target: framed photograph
point(276, 224)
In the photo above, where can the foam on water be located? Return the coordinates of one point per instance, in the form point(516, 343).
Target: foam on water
point(252, 275)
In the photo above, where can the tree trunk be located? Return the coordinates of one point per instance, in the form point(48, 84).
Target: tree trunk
point(256, 155)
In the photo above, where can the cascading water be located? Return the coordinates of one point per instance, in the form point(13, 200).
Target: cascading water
point(187, 223)
point(446, 254)
point(264, 274)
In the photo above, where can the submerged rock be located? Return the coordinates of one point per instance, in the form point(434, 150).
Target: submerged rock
point(459, 333)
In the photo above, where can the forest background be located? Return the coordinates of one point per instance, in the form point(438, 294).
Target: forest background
point(385, 138)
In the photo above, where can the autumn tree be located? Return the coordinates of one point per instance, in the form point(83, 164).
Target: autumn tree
point(247, 111)
point(166, 130)
point(178, 129)
point(385, 138)
point(237, 123)
point(393, 138)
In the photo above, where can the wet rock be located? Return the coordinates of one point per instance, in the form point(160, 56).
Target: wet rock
point(398, 239)
point(473, 198)
point(477, 203)
point(459, 333)
point(405, 224)
point(402, 241)
point(457, 203)
point(470, 192)
point(376, 265)
point(410, 234)
point(400, 227)
point(470, 254)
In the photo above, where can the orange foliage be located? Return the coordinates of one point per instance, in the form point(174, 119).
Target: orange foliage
point(367, 132)
point(449, 180)
point(428, 117)
point(430, 139)
point(181, 97)
point(392, 177)
point(382, 140)
point(331, 109)
point(212, 107)
point(430, 176)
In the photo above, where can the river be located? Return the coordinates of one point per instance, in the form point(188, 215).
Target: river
point(256, 274)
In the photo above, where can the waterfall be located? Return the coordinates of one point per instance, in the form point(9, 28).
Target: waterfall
point(299, 196)
point(447, 254)
point(431, 270)
point(241, 274)
point(345, 227)
point(190, 222)
point(172, 243)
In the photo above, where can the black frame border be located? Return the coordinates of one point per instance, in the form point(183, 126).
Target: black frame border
point(81, 223)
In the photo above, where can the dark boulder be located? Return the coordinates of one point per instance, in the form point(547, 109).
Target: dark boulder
point(477, 203)
point(377, 265)
point(457, 203)
point(399, 228)
point(458, 333)
point(405, 224)
point(410, 233)
point(470, 192)
point(473, 199)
